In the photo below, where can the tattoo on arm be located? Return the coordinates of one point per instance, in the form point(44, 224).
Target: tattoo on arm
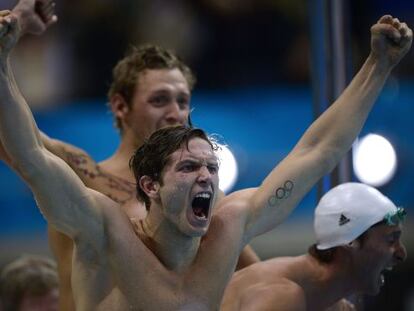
point(281, 193)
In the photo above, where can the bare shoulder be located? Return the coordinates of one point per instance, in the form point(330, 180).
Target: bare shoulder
point(288, 292)
point(228, 215)
point(234, 202)
point(282, 294)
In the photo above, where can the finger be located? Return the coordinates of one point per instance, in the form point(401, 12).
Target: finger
point(4, 28)
point(48, 2)
point(13, 21)
point(396, 23)
point(47, 15)
point(387, 30)
point(46, 11)
point(8, 24)
point(48, 7)
point(5, 12)
point(50, 13)
point(53, 20)
point(403, 29)
point(386, 19)
point(7, 19)
point(407, 39)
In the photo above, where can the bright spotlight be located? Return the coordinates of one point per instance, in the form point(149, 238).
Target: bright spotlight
point(228, 168)
point(374, 160)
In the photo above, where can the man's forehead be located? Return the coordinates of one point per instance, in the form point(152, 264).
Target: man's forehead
point(197, 149)
point(155, 79)
point(384, 228)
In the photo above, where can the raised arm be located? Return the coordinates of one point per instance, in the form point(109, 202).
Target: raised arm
point(331, 135)
point(34, 17)
point(64, 200)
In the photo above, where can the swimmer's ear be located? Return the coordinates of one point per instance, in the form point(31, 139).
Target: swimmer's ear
point(119, 106)
point(149, 186)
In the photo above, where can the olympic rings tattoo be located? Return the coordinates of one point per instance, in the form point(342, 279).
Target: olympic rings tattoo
point(281, 193)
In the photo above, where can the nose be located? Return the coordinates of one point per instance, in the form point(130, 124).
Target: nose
point(400, 253)
point(204, 175)
point(174, 114)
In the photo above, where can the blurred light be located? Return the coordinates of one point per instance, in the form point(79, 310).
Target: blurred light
point(228, 168)
point(374, 160)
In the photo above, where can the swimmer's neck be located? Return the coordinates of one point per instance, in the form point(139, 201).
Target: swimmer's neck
point(175, 250)
point(332, 280)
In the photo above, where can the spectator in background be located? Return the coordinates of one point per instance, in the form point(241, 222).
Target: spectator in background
point(29, 283)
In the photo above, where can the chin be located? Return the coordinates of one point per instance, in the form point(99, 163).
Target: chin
point(374, 289)
point(194, 231)
point(199, 232)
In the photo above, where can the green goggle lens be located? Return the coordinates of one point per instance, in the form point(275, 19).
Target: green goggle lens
point(394, 218)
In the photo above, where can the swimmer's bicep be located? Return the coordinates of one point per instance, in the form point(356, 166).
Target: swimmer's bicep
point(62, 197)
point(282, 190)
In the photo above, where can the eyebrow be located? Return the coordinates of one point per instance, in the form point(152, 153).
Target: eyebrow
point(163, 91)
point(395, 234)
point(210, 161)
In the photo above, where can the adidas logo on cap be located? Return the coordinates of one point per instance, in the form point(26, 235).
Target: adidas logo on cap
point(343, 220)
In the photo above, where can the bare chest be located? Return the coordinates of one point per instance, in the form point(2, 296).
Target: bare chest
point(143, 280)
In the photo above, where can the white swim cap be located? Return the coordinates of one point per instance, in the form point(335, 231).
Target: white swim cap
point(347, 211)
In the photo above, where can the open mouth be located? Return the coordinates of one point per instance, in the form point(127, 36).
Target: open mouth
point(382, 279)
point(383, 272)
point(201, 205)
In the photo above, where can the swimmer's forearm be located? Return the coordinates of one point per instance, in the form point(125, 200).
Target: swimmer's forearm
point(336, 129)
point(18, 131)
point(61, 195)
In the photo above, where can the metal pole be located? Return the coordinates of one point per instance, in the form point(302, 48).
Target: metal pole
point(329, 69)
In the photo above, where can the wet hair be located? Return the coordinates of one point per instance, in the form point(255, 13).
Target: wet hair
point(138, 59)
point(151, 158)
point(322, 255)
point(27, 275)
point(328, 255)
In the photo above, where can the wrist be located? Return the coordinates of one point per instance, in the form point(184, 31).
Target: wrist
point(380, 64)
point(20, 20)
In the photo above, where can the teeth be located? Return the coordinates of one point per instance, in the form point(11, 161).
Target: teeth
point(204, 195)
point(389, 268)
